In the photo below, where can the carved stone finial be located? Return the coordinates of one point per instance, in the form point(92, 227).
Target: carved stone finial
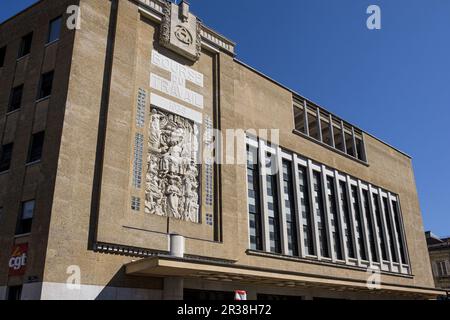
point(184, 11)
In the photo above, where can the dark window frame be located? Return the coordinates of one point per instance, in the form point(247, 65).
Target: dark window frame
point(50, 36)
point(25, 45)
point(46, 92)
point(33, 155)
point(24, 225)
point(3, 166)
point(2, 56)
point(14, 105)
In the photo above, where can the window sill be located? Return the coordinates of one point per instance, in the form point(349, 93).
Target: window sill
point(301, 134)
point(4, 172)
point(12, 112)
point(43, 99)
point(23, 57)
point(48, 44)
point(23, 235)
point(30, 164)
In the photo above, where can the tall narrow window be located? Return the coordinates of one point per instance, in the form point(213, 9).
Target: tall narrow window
point(335, 230)
point(36, 145)
point(5, 157)
point(320, 214)
point(360, 149)
point(273, 205)
point(349, 143)
point(305, 210)
point(291, 219)
point(54, 30)
point(45, 89)
point(254, 208)
point(15, 100)
point(347, 221)
point(358, 223)
point(326, 131)
point(313, 125)
point(25, 45)
point(299, 118)
point(379, 227)
point(338, 138)
point(390, 230)
point(25, 218)
point(398, 228)
point(370, 226)
point(2, 56)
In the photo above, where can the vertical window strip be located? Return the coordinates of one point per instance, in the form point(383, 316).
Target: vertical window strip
point(209, 163)
point(370, 228)
point(137, 160)
point(320, 215)
point(347, 221)
point(254, 209)
point(273, 212)
point(379, 227)
point(291, 219)
point(358, 223)
point(140, 108)
point(305, 211)
point(390, 230)
point(335, 230)
point(398, 227)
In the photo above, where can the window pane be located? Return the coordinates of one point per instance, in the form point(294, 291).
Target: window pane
point(299, 118)
point(273, 205)
point(25, 218)
point(313, 125)
point(399, 228)
point(370, 226)
point(5, 157)
point(338, 139)
point(46, 85)
point(25, 46)
point(335, 230)
point(37, 142)
point(358, 223)
point(254, 211)
point(16, 98)
point(291, 218)
point(305, 211)
point(326, 133)
point(390, 230)
point(360, 149)
point(55, 30)
point(349, 144)
point(2, 56)
point(320, 214)
point(379, 227)
point(28, 209)
point(347, 221)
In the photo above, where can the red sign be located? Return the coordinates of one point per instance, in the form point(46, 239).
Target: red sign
point(18, 260)
point(240, 295)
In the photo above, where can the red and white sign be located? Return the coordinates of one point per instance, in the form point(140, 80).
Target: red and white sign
point(240, 295)
point(18, 260)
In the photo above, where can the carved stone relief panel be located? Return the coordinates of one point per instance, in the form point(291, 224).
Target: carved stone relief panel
point(172, 179)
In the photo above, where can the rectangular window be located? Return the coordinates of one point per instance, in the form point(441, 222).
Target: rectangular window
point(45, 89)
point(135, 203)
point(5, 157)
point(25, 218)
point(15, 100)
point(326, 131)
point(138, 160)
point(349, 143)
point(338, 138)
point(358, 223)
point(335, 230)
point(291, 218)
point(398, 229)
point(305, 211)
point(273, 205)
point(442, 268)
point(25, 45)
point(54, 30)
point(14, 293)
point(254, 208)
point(36, 145)
point(313, 125)
point(299, 118)
point(320, 214)
point(347, 220)
point(370, 226)
point(379, 226)
point(390, 230)
point(360, 149)
point(2, 56)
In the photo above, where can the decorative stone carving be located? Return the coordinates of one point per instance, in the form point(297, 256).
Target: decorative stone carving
point(180, 30)
point(172, 176)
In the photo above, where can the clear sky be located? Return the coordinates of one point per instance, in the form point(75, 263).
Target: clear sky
point(394, 83)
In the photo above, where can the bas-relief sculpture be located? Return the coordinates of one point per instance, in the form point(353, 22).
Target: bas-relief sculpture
point(172, 185)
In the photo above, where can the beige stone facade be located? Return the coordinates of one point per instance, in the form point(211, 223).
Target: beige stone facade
point(91, 168)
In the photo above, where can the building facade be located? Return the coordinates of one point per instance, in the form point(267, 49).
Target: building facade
point(439, 249)
point(114, 182)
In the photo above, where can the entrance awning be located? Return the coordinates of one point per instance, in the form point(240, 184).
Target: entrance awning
point(166, 266)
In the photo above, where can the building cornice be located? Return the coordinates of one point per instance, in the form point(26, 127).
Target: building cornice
point(154, 10)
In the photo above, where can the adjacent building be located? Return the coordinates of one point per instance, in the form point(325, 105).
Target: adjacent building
point(111, 185)
point(439, 249)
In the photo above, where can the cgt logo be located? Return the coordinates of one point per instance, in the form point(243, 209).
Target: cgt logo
point(18, 261)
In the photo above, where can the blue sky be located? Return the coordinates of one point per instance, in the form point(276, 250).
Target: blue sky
point(393, 83)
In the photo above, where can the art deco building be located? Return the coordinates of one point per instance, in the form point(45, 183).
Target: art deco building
point(439, 249)
point(109, 188)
